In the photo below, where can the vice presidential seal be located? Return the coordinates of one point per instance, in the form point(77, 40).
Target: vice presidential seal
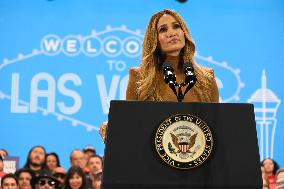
point(184, 141)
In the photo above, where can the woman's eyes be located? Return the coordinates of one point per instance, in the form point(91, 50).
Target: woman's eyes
point(175, 26)
point(164, 29)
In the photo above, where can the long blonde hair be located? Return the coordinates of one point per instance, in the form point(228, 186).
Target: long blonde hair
point(150, 67)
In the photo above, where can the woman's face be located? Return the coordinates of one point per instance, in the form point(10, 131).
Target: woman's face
point(268, 166)
point(75, 181)
point(25, 181)
point(51, 162)
point(170, 35)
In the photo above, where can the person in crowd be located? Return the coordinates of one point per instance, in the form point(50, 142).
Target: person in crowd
point(25, 177)
point(95, 164)
point(75, 179)
point(270, 168)
point(9, 181)
point(279, 179)
point(4, 152)
point(60, 174)
point(36, 159)
point(96, 180)
point(52, 161)
point(45, 180)
point(77, 158)
point(1, 167)
point(89, 151)
point(167, 40)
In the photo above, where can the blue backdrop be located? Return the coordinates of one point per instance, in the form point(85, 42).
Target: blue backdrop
point(61, 62)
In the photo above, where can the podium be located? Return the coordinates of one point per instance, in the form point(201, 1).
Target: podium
point(131, 160)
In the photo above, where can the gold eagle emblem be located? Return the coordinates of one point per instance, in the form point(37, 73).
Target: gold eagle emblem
point(188, 143)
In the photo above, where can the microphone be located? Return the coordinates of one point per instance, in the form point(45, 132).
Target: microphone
point(190, 77)
point(169, 76)
point(188, 70)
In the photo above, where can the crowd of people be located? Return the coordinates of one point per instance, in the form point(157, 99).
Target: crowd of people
point(42, 170)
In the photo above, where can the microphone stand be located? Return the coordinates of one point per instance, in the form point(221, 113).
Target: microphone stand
point(180, 96)
point(170, 79)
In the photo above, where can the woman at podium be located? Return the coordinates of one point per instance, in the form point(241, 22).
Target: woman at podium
point(168, 71)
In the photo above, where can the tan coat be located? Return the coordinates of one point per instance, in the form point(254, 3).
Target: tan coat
point(167, 94)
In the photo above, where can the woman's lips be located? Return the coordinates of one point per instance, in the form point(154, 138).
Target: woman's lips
point(174, 40)
point(75, 185)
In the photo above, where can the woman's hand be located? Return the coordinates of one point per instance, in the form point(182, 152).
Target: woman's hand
point(102, 130)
